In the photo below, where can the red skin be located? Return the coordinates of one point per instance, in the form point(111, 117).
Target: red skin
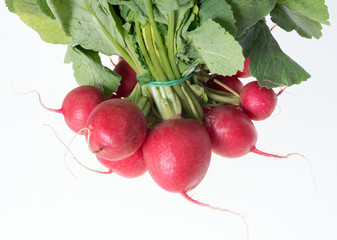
point(257, 102)
point(232, 82)
point(245, 72)
point(177, 154)
point(78, 104)
point(130, 167)
point(117, 129)
point(128, 81)
point(232, 132)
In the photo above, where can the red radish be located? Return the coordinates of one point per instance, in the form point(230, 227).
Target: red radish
point(129, 79)
point(116, 129)
point(232, 132)
point(130, 167)
point(78, 104)
point(232, 82)
point(206, 109)
point(245, 72)
point(177, 154)
point(257, 102)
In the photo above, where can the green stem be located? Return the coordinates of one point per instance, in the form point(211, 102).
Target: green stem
point(222, 99)
point(124, 54)
point(159, 41)
point(152, 52)
point(144, 51)
point(163, 106)
point(170, 44)
point(226, 87)
point(191, 104)
point(132, 50)
point(144, 104)
point(195, 101)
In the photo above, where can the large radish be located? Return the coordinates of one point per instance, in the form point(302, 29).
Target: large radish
point(116, 129)
point(177, 154)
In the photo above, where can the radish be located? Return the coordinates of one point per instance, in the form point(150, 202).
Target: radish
point(77, 105)
point(116, 129)
point(130, 167)
point(245, 72)
point(232, 82)
point(257, 102)
point(232, 132)
point(177, 154)
point(128, 81)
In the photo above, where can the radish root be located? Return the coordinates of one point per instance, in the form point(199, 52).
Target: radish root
point(186, 196)
point(72, 154)
point(65, 163)
point(40, 99)
point(81, 164)
point(255, 150)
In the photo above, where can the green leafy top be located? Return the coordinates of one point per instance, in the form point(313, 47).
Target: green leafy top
point(184, 35)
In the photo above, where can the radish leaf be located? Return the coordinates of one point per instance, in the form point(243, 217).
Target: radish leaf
point(30, 13)
point(248, 12)
point(218, 48)
point(45, 8)
point(88, 70)
point(90, 23)
point(268, 63)
point(299, 16)
point(219, 11)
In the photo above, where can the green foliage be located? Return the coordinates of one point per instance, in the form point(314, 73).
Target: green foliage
point(303, 16)
point(90, 24)
point(248, 12)
point(88, 70)
point(183, 36)
point(45, 8)
point(30, 13)
point(268, 63)
point(218, 48)
point(219, 11)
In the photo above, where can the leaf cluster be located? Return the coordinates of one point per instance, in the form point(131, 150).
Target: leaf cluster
point(212, 35)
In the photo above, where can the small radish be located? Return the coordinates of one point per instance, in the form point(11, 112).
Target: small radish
point(177, 154)
point(232, 132)
point(130, 167)
point(257, 102)
point(78, 104)
point(232, 82)
point(116, 129)
point(129, 79)
point(245, 72)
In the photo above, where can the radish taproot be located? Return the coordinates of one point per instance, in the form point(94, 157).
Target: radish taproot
point(177, 154)
point(77, 105)
point(257, 102)
point(116, 129)
point(232, 132)
point(130, 167)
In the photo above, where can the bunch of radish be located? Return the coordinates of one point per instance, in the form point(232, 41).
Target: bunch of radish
point(176, 95)
point(175, 152)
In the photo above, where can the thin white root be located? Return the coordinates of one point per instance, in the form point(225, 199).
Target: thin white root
point(39, 96)
point(186, 196)
point(68, 149)
point(310, 167)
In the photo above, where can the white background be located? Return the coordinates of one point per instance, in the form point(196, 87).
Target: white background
point(40, 199)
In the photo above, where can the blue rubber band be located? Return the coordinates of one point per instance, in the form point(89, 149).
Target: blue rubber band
point(169, 83)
